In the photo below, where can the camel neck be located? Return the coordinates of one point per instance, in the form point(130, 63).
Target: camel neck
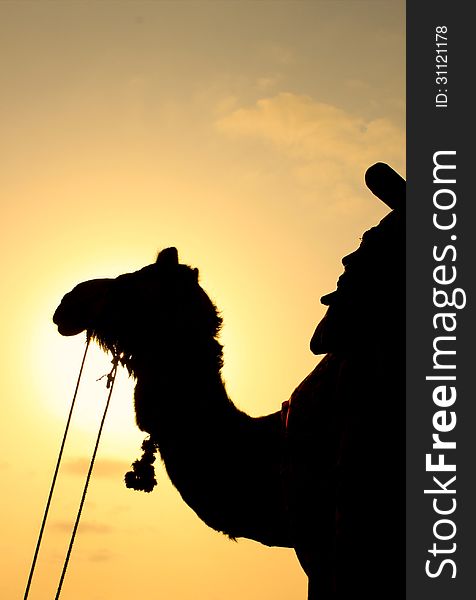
point(178, 358)
point(178, 377)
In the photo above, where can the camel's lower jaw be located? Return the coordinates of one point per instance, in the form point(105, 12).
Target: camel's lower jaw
point(66, 329)
point(69, 331)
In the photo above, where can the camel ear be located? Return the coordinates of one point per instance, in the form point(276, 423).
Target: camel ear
point(387, 185)
point(168, 257)
point(195, 272)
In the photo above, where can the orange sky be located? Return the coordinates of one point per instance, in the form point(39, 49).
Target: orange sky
point(238, 132)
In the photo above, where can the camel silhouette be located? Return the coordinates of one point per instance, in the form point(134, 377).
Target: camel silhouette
point(325, 473)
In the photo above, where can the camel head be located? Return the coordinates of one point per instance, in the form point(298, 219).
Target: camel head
point(368, 307)
point(134, 313)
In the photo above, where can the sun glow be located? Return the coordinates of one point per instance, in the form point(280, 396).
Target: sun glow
point(58, 366)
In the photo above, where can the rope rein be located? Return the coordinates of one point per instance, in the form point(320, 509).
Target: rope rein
point(111, 377)
point(55, 475)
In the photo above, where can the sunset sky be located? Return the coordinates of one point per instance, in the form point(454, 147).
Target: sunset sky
point(237, 131)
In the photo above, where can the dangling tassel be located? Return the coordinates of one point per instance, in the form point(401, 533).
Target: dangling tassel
point(142, 476)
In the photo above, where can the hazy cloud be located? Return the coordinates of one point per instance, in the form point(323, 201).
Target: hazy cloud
point(85, 527)
point(268, 81)
point(279, 54)
point(101, 556)
point(329, 148)
point(104, 467)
